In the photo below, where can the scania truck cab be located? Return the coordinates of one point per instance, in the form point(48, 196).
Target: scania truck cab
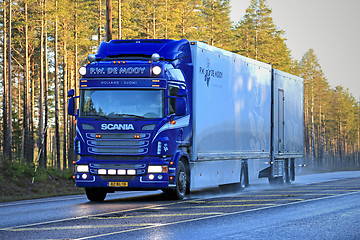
point(133, 128)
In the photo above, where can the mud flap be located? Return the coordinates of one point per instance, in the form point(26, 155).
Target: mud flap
point(265, 173)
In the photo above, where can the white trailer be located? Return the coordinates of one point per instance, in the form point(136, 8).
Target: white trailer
point(247, 119)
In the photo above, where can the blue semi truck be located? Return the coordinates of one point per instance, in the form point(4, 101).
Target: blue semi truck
point(181, 115)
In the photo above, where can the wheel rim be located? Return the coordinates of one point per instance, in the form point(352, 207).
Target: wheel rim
point(182, 182)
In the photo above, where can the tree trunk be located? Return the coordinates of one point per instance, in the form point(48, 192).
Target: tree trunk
point(65, 83)
point(27, 98)
point(312, 130)
point(119, 19)
point(41, 97)
point(5, 130)
point(99, 28)
point(108, 20)
point(46, 91)
point(57, 123)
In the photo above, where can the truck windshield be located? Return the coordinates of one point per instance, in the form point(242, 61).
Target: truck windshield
point(114, 104)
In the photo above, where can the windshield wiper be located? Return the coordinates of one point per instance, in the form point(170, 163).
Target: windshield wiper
point(102, 117)
point(129, 115)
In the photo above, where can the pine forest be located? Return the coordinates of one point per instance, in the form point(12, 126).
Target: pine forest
point(44, 42)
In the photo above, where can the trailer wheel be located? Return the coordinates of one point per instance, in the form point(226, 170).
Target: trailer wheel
point(182, 179)
point(244, 180)
point(95, 194)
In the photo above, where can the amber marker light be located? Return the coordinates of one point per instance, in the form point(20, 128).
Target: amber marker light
point(137, 136)
point(75, 121)
point(98, 136)
point(173, 122)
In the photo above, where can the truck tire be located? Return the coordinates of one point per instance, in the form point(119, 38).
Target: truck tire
point(244, 182)
point(95, 194)
point(182, 179)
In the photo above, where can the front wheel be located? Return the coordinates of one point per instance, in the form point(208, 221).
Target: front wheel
point(182, 179)
point(95, 194)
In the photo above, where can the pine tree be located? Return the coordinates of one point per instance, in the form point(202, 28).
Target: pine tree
point(217, 24)
point(312, 73)
point(257, 37)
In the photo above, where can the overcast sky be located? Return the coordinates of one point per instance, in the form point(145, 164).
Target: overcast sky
point(330, 27)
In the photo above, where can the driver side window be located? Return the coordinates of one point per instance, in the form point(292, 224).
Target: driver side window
point(172, 93)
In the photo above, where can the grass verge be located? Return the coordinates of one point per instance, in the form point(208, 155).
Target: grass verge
point(20, 181)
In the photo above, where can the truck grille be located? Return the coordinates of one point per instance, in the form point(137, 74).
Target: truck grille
point(118, 143)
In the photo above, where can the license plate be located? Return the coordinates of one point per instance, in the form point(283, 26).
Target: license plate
point(118, 184)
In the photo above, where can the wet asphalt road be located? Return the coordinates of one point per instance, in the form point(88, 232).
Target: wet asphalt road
point(320, 206)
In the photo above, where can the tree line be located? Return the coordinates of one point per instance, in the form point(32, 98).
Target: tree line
point(44, 42)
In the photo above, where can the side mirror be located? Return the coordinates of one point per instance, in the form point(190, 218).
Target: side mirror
point(180, 106)
point(71, 106)
point(182, 93)
point(71, 93)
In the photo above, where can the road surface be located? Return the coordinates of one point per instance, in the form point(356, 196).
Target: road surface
point(318, 206)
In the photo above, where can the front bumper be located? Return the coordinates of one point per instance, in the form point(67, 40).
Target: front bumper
point(125, 175)
point(118, 183)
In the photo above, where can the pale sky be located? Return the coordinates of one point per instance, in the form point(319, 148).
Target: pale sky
point(330, 27)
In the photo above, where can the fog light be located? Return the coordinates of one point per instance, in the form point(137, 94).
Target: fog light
point(84, 176)
point(160, 177)
point(151, 176)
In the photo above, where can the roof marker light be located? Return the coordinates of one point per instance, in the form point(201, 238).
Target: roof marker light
point(91, 58)
point(155, 57)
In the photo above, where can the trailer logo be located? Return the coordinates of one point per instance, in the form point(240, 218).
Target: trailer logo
point(115, 126)
point(210, 73)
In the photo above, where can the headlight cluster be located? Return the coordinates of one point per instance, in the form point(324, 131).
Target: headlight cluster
point(157, 169)
point(82, 168)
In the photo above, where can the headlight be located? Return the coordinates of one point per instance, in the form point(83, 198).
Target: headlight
point(157, 169)
point(82, 168)
point(156, 70)
point(82, 71)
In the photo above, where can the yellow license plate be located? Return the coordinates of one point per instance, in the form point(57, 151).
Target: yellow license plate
point(118, 184)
